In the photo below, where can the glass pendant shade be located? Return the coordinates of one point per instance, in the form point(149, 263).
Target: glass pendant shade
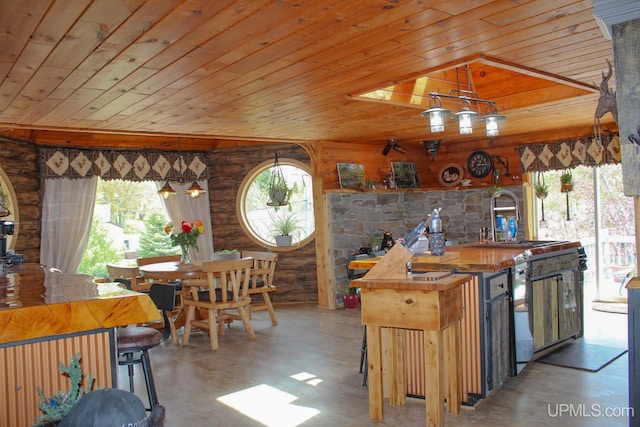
point(436, 114)
point(436, 121)
point(166, 191)
point(464, 117)
point(491, 124)
point(194, 191)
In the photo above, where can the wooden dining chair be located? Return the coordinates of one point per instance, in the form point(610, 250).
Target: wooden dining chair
point(128, 276)
point(225, 290)
point(264, 267)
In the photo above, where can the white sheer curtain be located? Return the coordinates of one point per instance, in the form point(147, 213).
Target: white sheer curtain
point(67, 212)
point(180, 207)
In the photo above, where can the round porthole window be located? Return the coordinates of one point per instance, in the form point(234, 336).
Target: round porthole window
point(278, 227)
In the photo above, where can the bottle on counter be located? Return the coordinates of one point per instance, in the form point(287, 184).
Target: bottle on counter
point(513, 228)
point(436, 236)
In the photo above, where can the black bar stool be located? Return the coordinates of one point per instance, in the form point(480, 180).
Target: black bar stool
point(134, 342)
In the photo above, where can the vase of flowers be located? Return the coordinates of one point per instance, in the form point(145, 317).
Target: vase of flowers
point(186, 237)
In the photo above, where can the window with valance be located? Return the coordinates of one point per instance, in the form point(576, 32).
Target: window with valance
point(565, 154)
point(128, 165)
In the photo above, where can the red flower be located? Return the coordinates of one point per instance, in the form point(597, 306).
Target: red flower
point(186, 227)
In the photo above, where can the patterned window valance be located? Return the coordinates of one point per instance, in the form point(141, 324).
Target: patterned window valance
point(569, 153)
point(127, 165)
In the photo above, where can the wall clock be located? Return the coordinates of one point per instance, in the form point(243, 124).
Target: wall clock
point(479, 164)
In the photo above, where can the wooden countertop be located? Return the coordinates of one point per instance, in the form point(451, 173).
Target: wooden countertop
point(32, 306)
point(408, 284)
point(474, 257)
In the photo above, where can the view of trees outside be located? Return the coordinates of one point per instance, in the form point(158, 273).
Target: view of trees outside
point(263, 219)
point(129, 218)
point(617, 228)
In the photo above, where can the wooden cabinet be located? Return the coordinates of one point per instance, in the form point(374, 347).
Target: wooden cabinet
point(556, 300)
point(497, 329)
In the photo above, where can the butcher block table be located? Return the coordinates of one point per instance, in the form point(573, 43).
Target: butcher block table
point(431, 304)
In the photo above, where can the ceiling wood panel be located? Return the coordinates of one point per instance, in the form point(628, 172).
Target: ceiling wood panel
point(284, 70)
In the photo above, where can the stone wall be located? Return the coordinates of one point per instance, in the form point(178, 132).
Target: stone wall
point(356, 218)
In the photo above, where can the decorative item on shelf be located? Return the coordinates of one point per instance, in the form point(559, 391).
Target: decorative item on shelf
point(405, 174)
point(350, 298)
point(278, 190)
point(465, 97)
point(194, 191)
point(285, 225)
point(479, 164)
point(494, 189)
point(606, 103)
point(351, 175)
point(566, 181)
point(451, 175)
point(186, 237)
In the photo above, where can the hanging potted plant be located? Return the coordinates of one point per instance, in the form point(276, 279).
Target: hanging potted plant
point(284, 226)
point(278, 190)
point(566, 181)
point(541, 189)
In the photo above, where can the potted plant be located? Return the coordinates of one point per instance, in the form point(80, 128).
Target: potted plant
point(285, 226)
point(541, 189)
point(350, 298)
point(278, 191)
point(566, 181)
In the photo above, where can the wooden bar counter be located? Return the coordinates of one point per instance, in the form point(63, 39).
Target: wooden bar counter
point(433, 307)
point(45, 321)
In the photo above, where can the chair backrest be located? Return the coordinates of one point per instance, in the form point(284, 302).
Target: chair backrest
point(163, 296)
point(156, 259)
point(355, 274)
point(264, 267)
point(121, 272)
point(231, 276)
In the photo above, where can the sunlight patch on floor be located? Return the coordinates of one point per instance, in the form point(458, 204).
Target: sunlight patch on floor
point(269, 406)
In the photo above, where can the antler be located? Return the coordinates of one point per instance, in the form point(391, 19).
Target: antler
point(604, 84)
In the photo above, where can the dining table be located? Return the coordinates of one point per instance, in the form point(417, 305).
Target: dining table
point(172, 273)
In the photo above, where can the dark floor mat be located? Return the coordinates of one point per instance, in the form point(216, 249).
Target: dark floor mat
point(581, 355)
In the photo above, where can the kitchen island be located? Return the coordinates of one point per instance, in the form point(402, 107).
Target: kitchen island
point(522, 299)
point(45, 321)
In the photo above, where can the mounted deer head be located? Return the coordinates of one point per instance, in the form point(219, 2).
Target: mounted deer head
point(607, 100)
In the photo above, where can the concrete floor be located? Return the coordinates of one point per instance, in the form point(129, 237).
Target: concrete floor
point(304, 372)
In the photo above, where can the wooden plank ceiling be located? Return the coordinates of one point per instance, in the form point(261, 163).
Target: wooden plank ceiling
point(265, 70)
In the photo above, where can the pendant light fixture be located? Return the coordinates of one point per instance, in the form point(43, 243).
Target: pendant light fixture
point(194, 191)
point(466, 115)
point(436, 113)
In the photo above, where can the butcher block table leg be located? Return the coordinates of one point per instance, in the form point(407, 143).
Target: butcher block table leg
point(374, 361)
point(434, 376)
point(453, 368)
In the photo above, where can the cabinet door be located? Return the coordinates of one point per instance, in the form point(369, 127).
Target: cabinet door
point(569, 306)
point(545, 312)
point(498, 354)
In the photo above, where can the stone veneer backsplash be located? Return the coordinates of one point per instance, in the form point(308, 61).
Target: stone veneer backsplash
point(357, 218)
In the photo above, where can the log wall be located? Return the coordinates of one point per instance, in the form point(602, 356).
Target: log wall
point(19, 160)
point(295, 275)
